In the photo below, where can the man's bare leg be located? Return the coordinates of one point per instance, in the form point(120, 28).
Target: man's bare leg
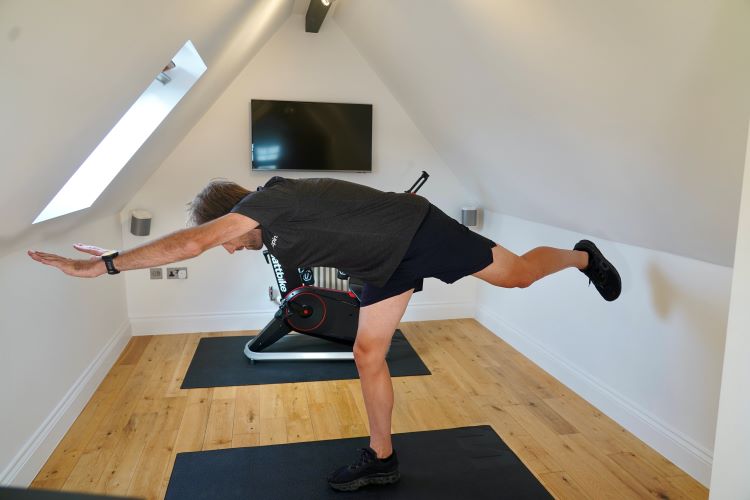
point(513, 271)
point(377, 324)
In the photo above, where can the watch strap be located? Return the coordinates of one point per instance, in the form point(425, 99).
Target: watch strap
point(108, 259)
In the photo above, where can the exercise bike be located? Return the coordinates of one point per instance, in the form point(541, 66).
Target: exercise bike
point(308, 309)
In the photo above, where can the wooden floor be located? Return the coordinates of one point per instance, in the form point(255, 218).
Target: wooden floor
point(125, 440)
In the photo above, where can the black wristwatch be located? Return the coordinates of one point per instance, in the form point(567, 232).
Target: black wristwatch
point(108, 257)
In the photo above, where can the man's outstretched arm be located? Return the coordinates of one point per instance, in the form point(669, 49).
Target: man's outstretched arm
point(180, 245)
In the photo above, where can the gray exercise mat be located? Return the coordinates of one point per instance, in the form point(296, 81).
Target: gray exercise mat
point(221, 362)
point(464, 463)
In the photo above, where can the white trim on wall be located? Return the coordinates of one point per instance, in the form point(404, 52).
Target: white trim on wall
point(255, 320)
point(674, 445)
point(440, 310)
point(39, 447)
point(200, 322)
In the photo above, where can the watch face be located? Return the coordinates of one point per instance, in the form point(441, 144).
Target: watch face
point(110, 253)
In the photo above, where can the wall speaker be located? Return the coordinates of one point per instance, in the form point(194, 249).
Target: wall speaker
point(140, 222)
point(469, 216)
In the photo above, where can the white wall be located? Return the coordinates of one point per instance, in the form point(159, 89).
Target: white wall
point(730, 478)
point(71, 70)
point(651, 360)
point(549, 108)
point(226, 292)
point(60, 335)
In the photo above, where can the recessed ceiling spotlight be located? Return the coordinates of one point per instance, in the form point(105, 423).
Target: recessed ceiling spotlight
point(327, 3)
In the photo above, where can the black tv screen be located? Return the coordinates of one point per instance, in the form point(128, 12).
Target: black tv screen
point(294, 135)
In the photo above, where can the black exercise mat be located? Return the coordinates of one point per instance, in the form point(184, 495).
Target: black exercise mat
point(35, 494)
point(221, 361)
point(465, 463)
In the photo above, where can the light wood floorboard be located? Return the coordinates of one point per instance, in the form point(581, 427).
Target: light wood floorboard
point(126, 438)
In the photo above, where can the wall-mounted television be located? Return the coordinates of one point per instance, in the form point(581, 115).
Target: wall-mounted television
point(296, 135)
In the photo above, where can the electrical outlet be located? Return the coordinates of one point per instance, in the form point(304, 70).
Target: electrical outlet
point(156, 273)
point(177, 273)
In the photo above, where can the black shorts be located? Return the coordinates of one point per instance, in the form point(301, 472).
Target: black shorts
point(442, 248)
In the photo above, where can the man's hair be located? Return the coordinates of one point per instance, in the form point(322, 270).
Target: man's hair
point(215, 200)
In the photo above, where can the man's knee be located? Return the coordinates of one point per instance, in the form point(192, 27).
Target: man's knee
point(526, 273)
point(368, 354)
point(524, 282)
point(360, 351)
point(521, 274)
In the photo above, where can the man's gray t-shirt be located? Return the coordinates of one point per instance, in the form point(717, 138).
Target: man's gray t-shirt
point(332, 223)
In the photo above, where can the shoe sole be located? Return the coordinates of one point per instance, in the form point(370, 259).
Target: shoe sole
point(611, 266)
point(377, 479)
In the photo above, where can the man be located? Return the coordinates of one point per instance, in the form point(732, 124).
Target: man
point(391, 241)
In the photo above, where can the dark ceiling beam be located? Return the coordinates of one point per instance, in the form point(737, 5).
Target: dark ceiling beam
point(316, 13)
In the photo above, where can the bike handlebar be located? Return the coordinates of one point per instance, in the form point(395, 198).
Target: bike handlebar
point(418, 183)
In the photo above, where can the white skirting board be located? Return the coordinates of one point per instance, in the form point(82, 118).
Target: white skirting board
point(440, 310)
point(677, 447)
point(29, 460)
point(234, 321)
point(201, 322)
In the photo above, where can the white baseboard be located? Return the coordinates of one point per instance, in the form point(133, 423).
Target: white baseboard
point(440, 310)
point(29, 460)
point(255, 320)
point(679, 448)
point(202, 322)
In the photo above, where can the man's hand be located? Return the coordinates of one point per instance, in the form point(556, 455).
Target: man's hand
point(96, 252)
point(180, 245)
point(90, 268)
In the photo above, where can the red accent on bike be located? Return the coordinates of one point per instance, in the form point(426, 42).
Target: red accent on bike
point(322, 320)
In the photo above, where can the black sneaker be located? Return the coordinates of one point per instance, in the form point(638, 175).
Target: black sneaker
point(368, 469)
point(600, 271)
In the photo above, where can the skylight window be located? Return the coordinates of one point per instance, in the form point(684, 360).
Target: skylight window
point(128, 135)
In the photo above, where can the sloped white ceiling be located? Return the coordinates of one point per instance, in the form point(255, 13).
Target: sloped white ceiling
point(70, 69)
point(625, 120)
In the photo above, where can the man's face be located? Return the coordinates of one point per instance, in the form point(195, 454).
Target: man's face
point(248, 241)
